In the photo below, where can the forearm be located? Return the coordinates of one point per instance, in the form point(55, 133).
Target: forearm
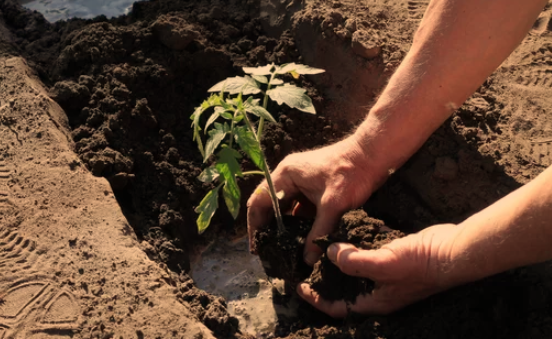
point(513, 232)
point(458, 45)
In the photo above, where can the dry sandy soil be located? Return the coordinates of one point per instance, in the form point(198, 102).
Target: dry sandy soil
point(98, 170)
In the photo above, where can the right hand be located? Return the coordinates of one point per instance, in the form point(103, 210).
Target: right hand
point(333, 180)
point(406, 270)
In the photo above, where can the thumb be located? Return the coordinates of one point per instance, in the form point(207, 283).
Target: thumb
point(359, 263)
point(324, 224)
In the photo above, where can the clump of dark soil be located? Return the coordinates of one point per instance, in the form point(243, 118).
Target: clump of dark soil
point(366, 233)
point(282, 253)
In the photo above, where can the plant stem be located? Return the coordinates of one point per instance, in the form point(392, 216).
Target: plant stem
point(253, 172)
point(232, 129)
point(265, 103)
point(266, 172)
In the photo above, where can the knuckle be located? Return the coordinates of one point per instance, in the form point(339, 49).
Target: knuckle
point(334, 202)
point(345, 264)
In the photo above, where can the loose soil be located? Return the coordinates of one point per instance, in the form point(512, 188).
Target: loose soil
point(128, 85)
point(282, 253)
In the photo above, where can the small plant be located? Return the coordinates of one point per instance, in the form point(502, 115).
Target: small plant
point(230, 125)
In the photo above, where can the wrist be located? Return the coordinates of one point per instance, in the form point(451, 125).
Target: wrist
point(363, 163)
point(378, 155)
point(470, 255)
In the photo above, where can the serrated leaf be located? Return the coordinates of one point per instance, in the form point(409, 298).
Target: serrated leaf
point(216, 137)
point(248, 143)
point(227, 116)
point(196, 115)
point(276, 82)
point(222, 127)
point(228, 167)
point(209, 175)
point(206, 209)
point(260, 78)
point(251, 102)
point(197, 138)
point(213, 117)
point(299, 69)
point(292, 96)
point(235, 85)
point(261, 70)
point(215, 100)
point(227, 163)
point(232, 195)
point(260, 112)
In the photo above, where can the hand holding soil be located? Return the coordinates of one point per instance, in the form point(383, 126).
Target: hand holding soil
point(404, 271)
point(328, 181)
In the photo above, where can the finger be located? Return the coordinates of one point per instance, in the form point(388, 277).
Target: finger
point(336, 309)
point(259, 211)
point(324, 224)
point(372, 304)
point(370, 264)
point(369, 304)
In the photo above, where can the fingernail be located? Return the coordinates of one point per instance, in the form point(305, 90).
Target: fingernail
point(302, 288)
point(332, 252)
point(311, 258)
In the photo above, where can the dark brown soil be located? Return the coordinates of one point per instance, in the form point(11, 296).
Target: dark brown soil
point(129, 92)
point(129, 84)
point(365, 233)
point(282, 253)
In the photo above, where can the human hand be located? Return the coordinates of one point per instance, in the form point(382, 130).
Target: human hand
point(404, 271)
point(329, 180)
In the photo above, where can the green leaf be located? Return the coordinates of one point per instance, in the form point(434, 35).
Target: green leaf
point(261, 70)
point(196, 115)
point(260, 78)
point(232, 195)
point(209, 175)
point(215, 100)
point(248, 143)
point(197, 129)
point(213, 117)
point(299, 69)
point(206, 209)
point(251, 102)
point(221, 127)
point(216, 136)
point(227, 163)
point(197, 138)
point(228, 167)
point(292, 96)
point(235, 85)
point(227, 116)
point(260, 112)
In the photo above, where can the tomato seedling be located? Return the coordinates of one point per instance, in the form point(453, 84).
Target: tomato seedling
point(237, 122)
